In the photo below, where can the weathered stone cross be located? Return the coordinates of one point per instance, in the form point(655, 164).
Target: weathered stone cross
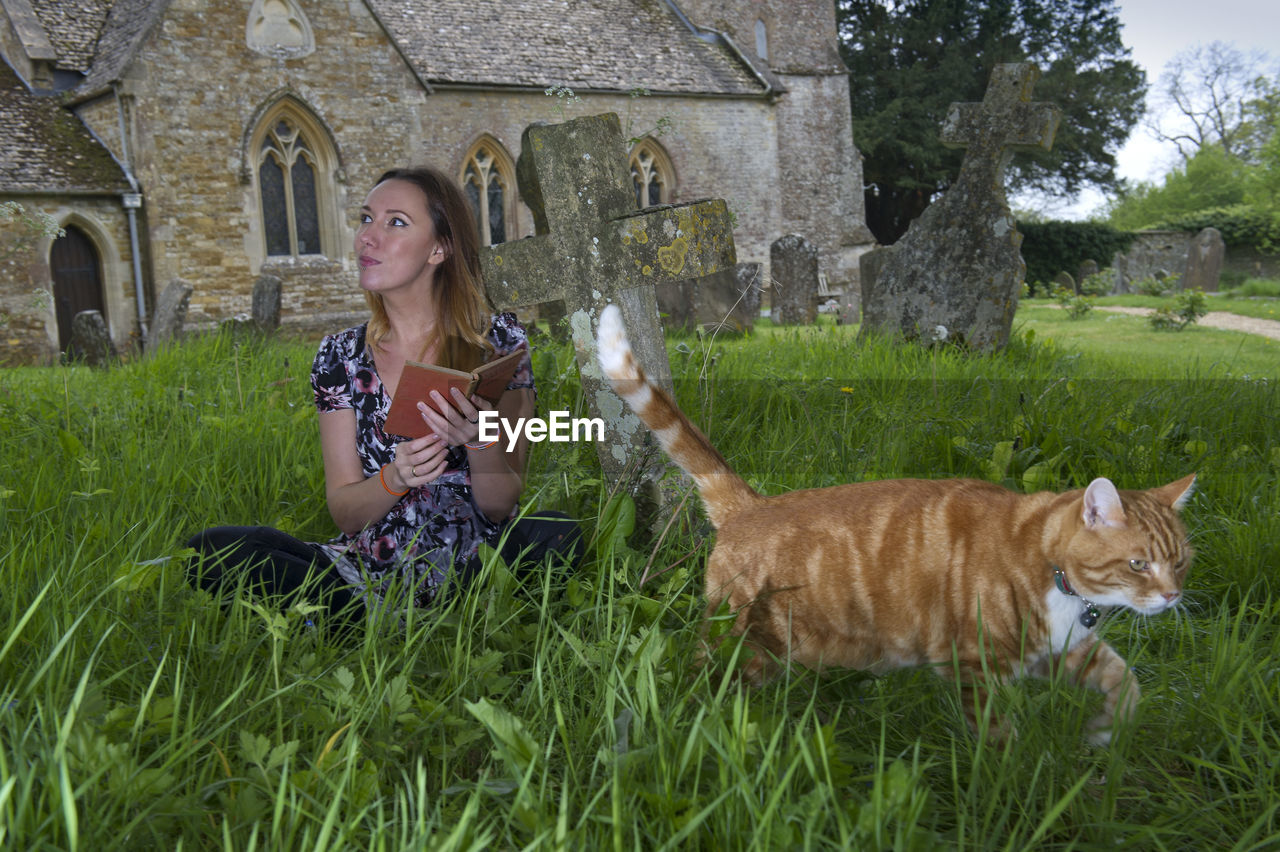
point(957, 272)
point(1005, 122)
point(593, 247)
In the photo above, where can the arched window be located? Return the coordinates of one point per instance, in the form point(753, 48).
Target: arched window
point(287, 186)
point(762, 40)
point(488, 180)
point(292, 165)
point(651, 174)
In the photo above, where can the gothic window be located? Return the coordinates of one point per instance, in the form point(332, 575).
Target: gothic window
point(762, 40)
point(287, 169)
point(651, 174)
point(487, 181)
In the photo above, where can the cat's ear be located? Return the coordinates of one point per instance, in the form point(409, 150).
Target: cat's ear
point(1176, 494)
point(1102, 505)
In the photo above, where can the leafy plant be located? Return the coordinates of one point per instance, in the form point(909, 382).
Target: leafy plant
point(1076, 305)
point(1189, 306)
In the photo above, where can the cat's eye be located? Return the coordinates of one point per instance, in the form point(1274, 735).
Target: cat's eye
point(1138, 564)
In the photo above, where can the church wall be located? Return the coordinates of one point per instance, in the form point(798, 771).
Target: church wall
point(28, 325)
point(821, 175)
point(720, 148)
point(195, 91)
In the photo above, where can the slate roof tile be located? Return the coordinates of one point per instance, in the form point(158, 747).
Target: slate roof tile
point(47, 149)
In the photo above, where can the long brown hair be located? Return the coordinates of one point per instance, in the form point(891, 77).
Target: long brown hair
point(461, 306)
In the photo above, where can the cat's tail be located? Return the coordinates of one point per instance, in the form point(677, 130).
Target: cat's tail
point(723, 491)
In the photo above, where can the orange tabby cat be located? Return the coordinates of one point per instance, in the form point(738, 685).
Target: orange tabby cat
point(880, 575)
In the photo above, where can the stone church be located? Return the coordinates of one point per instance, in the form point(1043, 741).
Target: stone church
point(214, 141)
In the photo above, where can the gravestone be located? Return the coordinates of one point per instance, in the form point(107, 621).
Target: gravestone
point(793, 262)
point(593, 247)
point(959, 266)
point(728, 301)
point(1064, 280)
point(266, 303)
point(170, 314)
point(1087, 268)
point(1204, 261)
point(91, 342)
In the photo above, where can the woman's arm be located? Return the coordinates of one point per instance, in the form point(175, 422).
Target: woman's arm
point(355, 501)
point(497, 474)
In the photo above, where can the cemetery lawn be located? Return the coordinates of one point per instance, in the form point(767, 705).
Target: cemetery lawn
point(1120, 344)
point(569, 713)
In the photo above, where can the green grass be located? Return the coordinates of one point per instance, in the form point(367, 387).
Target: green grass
point(1249, 306)
point(1119, 344)
point(135, 713)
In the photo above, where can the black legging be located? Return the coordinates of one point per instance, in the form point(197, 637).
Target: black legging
point(276, 563)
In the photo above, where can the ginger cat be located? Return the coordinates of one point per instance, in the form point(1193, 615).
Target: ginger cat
point(882, 575)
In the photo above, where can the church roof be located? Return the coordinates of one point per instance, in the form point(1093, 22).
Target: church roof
point(126, 23)
point(47, 149)
point(607, 45)
point(72, 27)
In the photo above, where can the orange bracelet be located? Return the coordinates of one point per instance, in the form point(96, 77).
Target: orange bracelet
point(381, 471)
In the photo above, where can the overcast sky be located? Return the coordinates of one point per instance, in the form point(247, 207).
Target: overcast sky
point(1156, 30)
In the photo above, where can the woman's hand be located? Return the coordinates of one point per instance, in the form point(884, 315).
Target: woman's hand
point(420, 461)
point(460, 424)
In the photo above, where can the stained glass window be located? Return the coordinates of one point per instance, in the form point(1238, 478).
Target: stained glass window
point(486, 188)
point(650, 174)
point(287, 183)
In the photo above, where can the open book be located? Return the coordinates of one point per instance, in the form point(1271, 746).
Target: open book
point(488, 381)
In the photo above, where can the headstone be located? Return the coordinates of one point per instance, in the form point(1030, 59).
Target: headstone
point(1204, 261)
point(726, 302)
point(959, 266)
point(1087, 268)
point(91, 342)
point(793, 261)
point(266, 303)
point(170, 313)
point(1064, 279)
point(593, 247)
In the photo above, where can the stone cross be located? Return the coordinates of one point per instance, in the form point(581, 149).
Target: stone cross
point(958, 271)
point(594, 247)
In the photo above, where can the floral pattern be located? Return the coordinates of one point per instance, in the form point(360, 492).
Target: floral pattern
point(433, 527)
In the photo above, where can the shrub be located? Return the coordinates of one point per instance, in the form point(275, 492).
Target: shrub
point(1099, 283)
point(1077, 307)
point(1048, 247)
point(1187, 309)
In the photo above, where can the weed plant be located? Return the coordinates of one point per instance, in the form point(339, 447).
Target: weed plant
point(569, 712)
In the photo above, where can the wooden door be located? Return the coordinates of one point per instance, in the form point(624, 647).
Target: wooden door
point(77, 280)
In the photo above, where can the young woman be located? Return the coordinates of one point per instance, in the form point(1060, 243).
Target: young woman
point(412, 513)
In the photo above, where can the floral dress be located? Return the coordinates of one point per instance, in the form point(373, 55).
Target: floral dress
point(434, 526)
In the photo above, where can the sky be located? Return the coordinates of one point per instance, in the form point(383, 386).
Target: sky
point(1157, 30)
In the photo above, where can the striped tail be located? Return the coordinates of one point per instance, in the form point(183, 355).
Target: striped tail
point(723, 491)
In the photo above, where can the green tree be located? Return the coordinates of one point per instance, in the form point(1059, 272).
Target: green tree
point(911, 59)
point(1210, 178)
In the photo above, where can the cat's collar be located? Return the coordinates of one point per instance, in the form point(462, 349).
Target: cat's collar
point(1089, 616)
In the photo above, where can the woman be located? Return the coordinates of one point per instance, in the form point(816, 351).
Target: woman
point(411, 512)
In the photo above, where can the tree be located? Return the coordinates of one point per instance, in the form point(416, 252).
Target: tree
point(1215, 95)
point(911, 59)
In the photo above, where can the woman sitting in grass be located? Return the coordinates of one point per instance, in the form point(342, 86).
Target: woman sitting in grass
point(412, 513)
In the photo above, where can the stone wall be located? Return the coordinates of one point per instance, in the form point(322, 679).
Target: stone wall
point(28, 325)
point(1152, 252)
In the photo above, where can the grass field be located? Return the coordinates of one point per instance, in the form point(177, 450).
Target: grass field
point(568, 712)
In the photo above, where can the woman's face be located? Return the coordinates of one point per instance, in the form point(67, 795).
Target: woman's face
point(396, 243)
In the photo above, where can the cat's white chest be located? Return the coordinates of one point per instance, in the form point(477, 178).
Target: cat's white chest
point(1063, 615)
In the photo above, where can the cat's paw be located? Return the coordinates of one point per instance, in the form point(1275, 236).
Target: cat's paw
point(1099, 732)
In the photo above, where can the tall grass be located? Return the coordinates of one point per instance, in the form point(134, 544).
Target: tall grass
point(569, 712)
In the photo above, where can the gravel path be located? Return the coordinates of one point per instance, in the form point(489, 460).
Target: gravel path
point(1216, 319)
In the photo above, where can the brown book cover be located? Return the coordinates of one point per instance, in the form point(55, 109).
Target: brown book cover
point(489, 380)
